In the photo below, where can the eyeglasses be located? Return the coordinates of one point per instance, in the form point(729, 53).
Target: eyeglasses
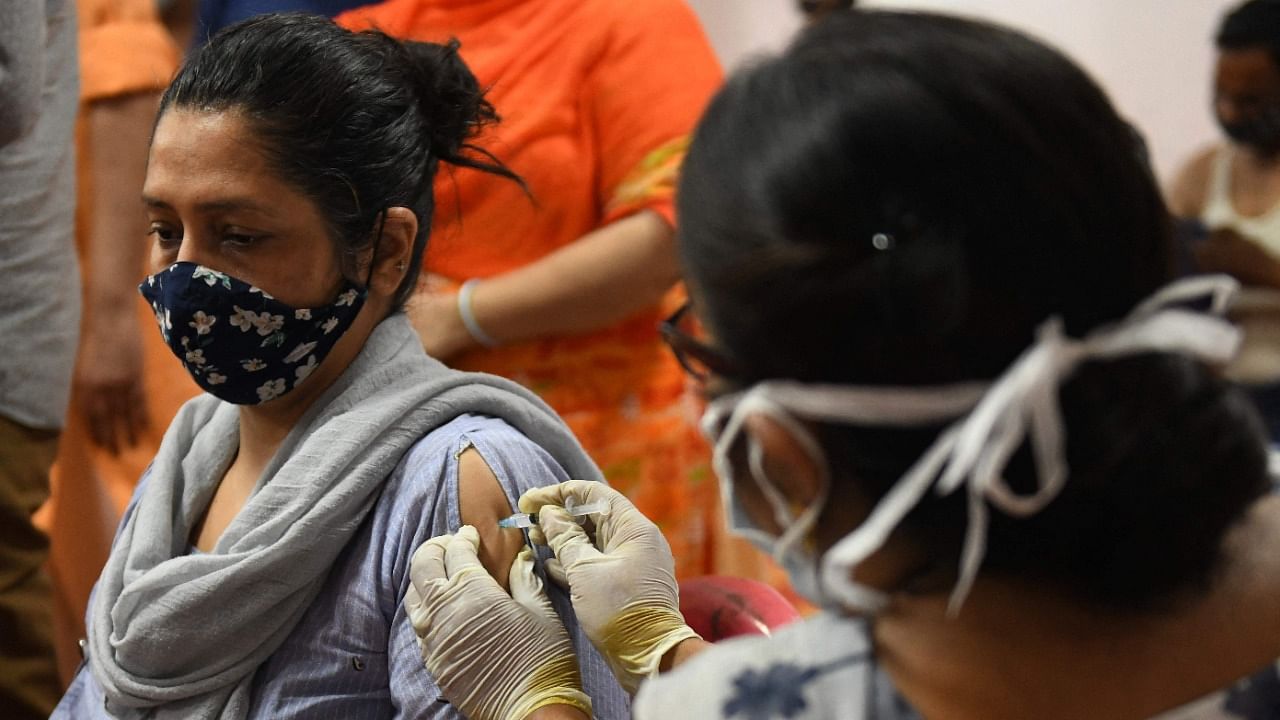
point(698, 359)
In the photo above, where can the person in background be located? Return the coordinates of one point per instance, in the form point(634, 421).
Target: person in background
point(1229, 194)
point(259, 569)
point(39, 315)
point(126, 385)
point(563, 291)
point(956, 387)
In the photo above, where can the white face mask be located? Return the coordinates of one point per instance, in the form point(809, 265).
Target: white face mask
point(788, 550)
point(994, 420)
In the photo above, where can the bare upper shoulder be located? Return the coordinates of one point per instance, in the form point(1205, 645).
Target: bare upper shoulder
point(1190, 188)
point(482, 502)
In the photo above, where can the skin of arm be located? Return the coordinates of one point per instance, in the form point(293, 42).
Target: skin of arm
point(604, 277)
point(482, 503)
point(1226, 251)
point(108, 378)
point(682, 653)
point(22, 41)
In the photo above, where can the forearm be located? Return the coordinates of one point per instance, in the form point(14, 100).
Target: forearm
point(593, 283)
point(119, 131)
point(557, 712)
point(682, 653)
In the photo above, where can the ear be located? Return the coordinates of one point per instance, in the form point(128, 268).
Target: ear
point(393, 250)
point(790, 467)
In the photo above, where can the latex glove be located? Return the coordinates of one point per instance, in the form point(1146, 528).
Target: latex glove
point(623, 586)
point(494, 656)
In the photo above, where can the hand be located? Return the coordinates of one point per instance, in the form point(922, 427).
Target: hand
point(495, 656)
point(108, 378)
point(435, 317)
point(1226, 251)
point(624, 592)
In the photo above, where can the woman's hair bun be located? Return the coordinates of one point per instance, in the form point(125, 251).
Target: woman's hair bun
point(451, 100)
point(453, 105)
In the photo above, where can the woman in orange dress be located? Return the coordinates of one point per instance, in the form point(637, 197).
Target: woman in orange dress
point(562, 289)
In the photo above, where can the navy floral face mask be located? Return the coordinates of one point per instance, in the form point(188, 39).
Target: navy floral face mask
point(238, 342)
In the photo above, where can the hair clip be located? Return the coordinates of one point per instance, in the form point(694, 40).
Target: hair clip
point(883, 241)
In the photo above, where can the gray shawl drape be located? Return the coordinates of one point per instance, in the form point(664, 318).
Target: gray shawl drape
point(178, 635)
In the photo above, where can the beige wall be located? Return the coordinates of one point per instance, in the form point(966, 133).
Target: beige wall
point(1154, 57)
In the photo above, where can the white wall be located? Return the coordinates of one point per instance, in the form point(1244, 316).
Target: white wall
point(1154, 57)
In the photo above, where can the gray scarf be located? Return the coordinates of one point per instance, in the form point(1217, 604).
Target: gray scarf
point(179, 635)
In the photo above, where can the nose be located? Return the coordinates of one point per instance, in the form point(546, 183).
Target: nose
point(193, 249)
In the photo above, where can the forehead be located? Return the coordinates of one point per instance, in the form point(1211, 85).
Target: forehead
point(199, 153)
point(1248, 70)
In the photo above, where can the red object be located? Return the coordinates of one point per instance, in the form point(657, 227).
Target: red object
point(719, 607)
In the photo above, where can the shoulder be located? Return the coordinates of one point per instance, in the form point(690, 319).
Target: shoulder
point(472, 457)
point(819, 668)
point(1190, 188)
point(500, 444)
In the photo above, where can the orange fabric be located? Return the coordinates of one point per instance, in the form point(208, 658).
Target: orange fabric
point(597, 98)
point(124, 49)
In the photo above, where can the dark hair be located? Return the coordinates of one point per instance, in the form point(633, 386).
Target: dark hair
point(819, 8)
point(901, 199)
point(359, 122)
point(1253, 24)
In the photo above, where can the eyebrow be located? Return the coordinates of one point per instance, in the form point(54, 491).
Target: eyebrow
point(210, 206)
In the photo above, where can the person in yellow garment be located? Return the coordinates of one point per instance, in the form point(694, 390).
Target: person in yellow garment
point(126, 385)
point(955, 387)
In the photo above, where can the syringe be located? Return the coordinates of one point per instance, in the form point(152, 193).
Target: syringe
point(524, 520)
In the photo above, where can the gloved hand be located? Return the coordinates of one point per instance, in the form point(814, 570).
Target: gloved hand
point(623, 587)
point(495, 656)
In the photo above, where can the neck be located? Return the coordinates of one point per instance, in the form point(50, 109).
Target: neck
point(1019, 649)
point(264, 427)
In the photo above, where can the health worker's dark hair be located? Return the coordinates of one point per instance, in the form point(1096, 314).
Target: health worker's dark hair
point(902, 199)
point(357, 121)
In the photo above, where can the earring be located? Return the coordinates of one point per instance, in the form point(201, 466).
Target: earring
point(401, 266)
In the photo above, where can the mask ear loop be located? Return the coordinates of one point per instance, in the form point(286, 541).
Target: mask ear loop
point(794, 528)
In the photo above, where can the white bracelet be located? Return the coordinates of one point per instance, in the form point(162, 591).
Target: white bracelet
point(469, 318)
